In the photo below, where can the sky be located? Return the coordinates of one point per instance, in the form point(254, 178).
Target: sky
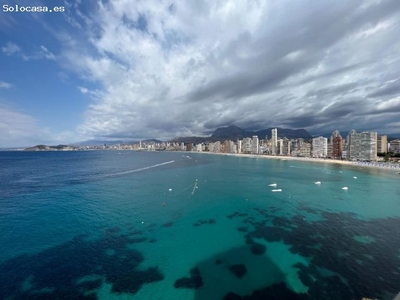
point(161, 69)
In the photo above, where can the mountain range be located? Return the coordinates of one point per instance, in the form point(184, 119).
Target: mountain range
point(233, 132)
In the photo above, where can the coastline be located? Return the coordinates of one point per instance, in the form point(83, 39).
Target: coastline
point(374, 165)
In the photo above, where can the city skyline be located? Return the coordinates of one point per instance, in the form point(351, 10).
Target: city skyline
point(117, 70)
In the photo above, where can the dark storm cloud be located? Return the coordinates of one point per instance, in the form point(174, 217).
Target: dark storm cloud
point(392, 88)
point(337, 90)
point(253, 64)
point(314, 34)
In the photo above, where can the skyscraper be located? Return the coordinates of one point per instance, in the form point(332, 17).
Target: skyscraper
point(362, 146)
point(336, 141)
point(382, 144)
point(246, 145)
point(274, 141)
point(286, 147)
point(254, 145)
point(319, 146)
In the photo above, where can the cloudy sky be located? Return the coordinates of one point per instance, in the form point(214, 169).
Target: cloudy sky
point(129, 69)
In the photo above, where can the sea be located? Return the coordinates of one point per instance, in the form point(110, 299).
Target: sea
point(183, 225)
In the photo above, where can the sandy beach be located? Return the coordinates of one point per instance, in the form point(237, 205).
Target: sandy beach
point(377, 165)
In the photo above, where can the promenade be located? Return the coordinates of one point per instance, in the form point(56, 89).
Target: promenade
point(378, 165)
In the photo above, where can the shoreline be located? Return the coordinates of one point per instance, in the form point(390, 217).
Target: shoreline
point(373, 165)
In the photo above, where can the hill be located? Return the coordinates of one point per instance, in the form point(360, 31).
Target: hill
point(233, 132)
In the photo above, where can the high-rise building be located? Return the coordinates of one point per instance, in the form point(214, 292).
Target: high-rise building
point(246, 145)
point(382, 144)
point(362, 146)
point(319, 146)
point(286, 147)
point(227, 146)
point(305, 149)
point(274, 141)
point(337, 144)
point(239, 146)
point(217, 147)
point(395, 146)
point(254, 145)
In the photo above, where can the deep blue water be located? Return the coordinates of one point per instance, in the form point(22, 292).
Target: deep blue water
point(163, 225)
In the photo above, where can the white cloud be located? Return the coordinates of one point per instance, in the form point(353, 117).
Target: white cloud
point(83, 89)
point(41, 53)
point(184, 68)
point(19, 129)
point(45, 53)
point(11, 49)
point(5, 85)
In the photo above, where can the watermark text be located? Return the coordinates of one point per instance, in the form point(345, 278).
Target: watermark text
point(31, 9)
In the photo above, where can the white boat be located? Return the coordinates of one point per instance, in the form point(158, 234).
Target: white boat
point(277, 190)
point(355, 177)
point(345, 188)
point(272, 184)
point(317, 182)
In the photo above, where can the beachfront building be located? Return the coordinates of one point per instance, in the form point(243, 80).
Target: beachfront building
point(246, 145)
point(301, 148)
point(227, 147)
point(329, 152)
point(305, 149)
point(319, 146)
point(337, 144)
point(254, 144)
point(382, 144)
point(233, 148)
point(199, 147)
point(239, 146)
point(395, 146)
point(362, 146)
point(274, 141)
point(286, 145)
point(344, 148)
point(279, 149)
point(217, 147)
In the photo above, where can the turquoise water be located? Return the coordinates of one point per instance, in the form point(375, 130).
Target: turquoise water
point(163, 225)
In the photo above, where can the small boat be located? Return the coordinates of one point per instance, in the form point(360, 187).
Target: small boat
point(355, 177)
point(345, 188)
point(317, 182)
point(272, 184)
point(277, 190)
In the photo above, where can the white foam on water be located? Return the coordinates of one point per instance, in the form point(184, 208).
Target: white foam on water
point(137, 170)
